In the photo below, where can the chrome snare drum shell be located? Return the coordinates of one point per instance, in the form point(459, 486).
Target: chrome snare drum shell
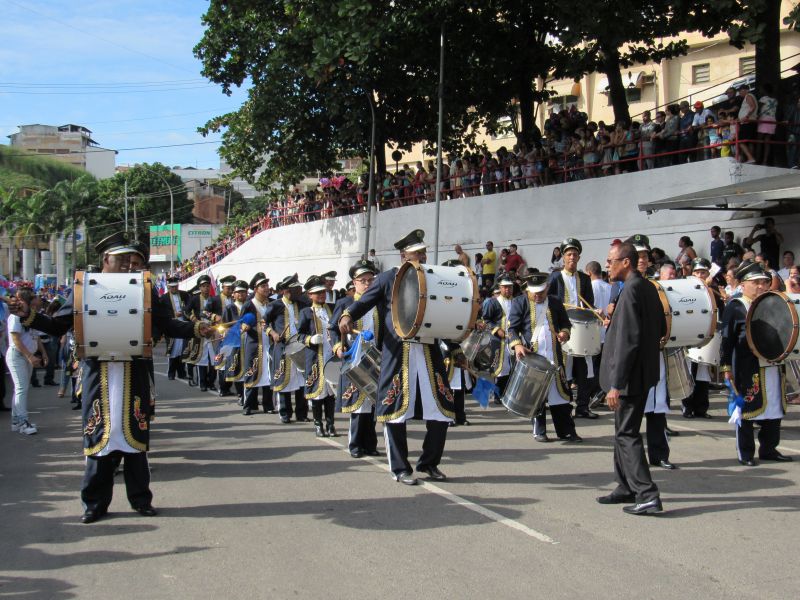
point(680, 383)
point(528, 385)
point(365, 374)
point(479, 350)
point(295, 350)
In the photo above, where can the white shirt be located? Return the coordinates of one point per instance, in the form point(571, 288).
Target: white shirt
point(26, 335)
point(602, 298)
point(784, 274)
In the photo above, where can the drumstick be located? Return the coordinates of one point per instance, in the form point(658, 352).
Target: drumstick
point(589, 307)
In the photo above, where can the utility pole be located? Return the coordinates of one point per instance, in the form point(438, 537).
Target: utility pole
point(439, 148)
point(126, 204)
point(135, 222)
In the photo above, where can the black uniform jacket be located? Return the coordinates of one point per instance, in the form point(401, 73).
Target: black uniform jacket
point(630, 355)
point(137, 400)
point(393, 387)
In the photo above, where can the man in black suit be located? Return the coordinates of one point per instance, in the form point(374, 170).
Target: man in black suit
point(628, 370)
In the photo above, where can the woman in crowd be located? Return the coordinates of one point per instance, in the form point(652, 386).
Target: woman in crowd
point(22, 359)
point(767, 111)
point(556, 260)
point(686, 255)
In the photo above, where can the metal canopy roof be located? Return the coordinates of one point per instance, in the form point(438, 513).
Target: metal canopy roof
point(755, 194)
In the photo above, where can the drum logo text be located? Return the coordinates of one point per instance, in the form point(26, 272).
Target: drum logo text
point(687, 300)
point(447, 283)
point(109, 297)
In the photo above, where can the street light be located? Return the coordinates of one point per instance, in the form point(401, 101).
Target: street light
point(171, 216)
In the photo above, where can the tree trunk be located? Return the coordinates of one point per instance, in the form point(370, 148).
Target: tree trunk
point(526, 113)
point(768, 50)
point(616, 89)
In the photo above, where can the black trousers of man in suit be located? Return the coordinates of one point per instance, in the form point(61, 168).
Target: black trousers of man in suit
point(657, 440)
point(769, 436)
point(630, 467)
point(98, 480)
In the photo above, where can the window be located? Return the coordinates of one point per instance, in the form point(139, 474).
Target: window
point(632, 94)
point(747, 65)
point(563, 102)
point(701, 73)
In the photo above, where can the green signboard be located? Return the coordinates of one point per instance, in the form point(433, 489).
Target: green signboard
point(162, 244)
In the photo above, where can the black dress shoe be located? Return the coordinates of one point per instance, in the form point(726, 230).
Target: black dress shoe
point(405, 477)
point(572, 438)
point(247, 411)
point(704, 416)
point(36, 384)
point(320, 432)
point(192, 383)
point(616, 499)
point(432, 472)
point(146, 511)
point(212, 387)
point(776, 456)
point(644, 508)
point(50, 383)
point(664, 464)
point(90, 516)
point(671, 433)
point(171, 377)
point(77, 406)
point(332, 432)
point(688, 415)
point(303, 420)
point(372, 453)
point(748, 463)
point(586, 414)
point(542, 437)
point(285, 420)
point(356, 453)
point(203, 389)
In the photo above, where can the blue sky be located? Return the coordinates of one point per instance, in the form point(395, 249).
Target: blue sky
point(61, 59)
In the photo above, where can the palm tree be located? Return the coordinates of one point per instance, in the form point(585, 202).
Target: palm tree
point(71, 203)
point(24, 217)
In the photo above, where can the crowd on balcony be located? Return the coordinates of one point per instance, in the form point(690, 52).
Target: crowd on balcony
point(569, 148)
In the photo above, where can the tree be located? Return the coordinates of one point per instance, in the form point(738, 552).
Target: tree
point(147, 193)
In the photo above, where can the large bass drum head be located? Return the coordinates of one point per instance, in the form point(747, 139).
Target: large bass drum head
point(406, 309)
point(772, 326)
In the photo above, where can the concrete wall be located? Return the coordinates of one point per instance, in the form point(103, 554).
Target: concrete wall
point(595, 211)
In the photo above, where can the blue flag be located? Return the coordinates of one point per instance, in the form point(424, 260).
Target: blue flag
point(483, 389)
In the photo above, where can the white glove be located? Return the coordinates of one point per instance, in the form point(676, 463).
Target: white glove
point(316, 339)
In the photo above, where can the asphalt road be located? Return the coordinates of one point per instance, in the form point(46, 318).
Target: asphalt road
point(251, 508)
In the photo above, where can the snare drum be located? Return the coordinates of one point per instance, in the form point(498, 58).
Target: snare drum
point(708, 354)
point(479, 350)
point(112, 315)
point(680, 383)
point(772, 326)
point(792, 378)
point(528, 385)
point(584, 337)
point(332, 372)
point(690, 310)
point(365, 371)
point(295, 350)
point(430, 302)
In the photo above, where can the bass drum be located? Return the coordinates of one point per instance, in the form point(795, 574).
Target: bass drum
point(690, 310)
point(430, 302)
point(528, 385)
point(584, 337)
point(113, 316)
point(680, 383)
point(772, 326)
point(708, 354)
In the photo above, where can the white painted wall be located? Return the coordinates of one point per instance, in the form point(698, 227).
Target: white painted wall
point(595, 211)
point(101, 162)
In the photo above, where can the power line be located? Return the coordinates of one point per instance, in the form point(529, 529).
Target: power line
point(97, 93)
point(107, 84)
point(151, 118)
point(92, 150)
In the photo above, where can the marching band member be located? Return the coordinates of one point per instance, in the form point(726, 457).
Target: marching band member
point(173, 300)
point(332, 295)
point(313, 332)
point(696, 405)
point(257, 373)
point(574, 288)
point(602, 298)
point(226, 299)
point(362, 438)
point(117, 402)
point(495, 314)
point(205, 307)
point(458, 375)
point(282, 319)
point(540, 324)
point(234, 363)
point(413, 380)
point(761, 387)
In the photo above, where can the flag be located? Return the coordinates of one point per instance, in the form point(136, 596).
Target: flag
point(213, 291)
point(483, 388)
point(735, 405)
point(233, 337)
point(161, 284)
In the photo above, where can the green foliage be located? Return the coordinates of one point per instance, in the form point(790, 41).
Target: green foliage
point(47, 171)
